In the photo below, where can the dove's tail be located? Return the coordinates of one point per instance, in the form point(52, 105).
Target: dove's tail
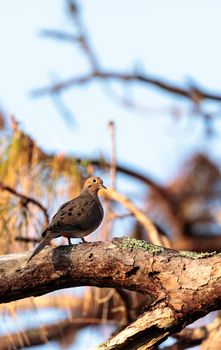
point(47, 238)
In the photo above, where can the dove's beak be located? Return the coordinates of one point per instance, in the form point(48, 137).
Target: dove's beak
point(101, 186)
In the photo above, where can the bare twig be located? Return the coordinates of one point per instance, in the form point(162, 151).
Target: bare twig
point(63, 109)
point(74, 12)
point(111, 125)
point(59, 35)
point(171, 88)
point(27, 239)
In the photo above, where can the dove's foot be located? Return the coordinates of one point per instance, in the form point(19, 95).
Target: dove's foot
point(69, 242)
point(83, 240)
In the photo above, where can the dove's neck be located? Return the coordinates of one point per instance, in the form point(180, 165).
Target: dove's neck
point(92, 193)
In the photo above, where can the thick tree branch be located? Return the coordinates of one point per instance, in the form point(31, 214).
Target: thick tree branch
point(183, 286)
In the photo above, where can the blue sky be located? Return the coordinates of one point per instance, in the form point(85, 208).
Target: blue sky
point(175, 40)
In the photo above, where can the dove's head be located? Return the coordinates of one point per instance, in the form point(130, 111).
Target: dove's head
point(93, 185)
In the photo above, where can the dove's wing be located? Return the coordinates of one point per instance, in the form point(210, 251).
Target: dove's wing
point(81, 213)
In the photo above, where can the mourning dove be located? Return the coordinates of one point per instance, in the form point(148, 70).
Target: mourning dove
point(76, 218)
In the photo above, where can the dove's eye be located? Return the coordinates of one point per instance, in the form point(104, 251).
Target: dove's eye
point(94, 180)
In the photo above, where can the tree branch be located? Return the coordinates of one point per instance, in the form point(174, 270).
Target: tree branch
point(183, 286)
point(143, 219)
point(194, 336)
point(191, 93)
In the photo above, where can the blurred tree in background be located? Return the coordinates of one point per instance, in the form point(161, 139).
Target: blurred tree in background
point(183, 214)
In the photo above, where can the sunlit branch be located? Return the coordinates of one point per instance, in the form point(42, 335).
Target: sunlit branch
point(142, 218)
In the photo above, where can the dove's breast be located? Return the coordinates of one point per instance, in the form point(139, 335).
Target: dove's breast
point(91, 216)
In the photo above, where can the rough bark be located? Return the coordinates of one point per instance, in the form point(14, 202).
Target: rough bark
point(183, 286)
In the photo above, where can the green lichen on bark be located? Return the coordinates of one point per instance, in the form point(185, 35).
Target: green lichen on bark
point(132, 243)
point(103, 345)
point(195, 255)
